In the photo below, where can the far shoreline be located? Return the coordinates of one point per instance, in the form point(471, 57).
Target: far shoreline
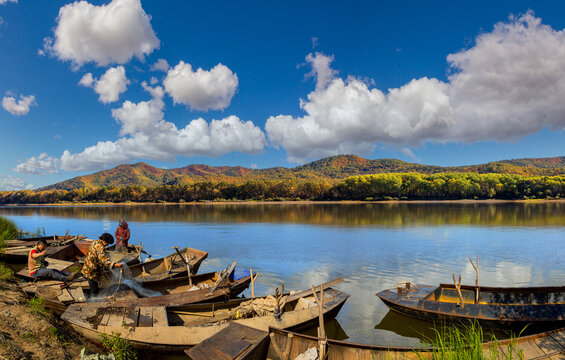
point(287, 202)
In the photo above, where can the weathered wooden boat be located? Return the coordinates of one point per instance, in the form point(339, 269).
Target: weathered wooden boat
point(168, 267)
point(498, 307)
point(174, 328)
point(243, 343)
point(67, 258)
point(17, 251)
point(176, 291)
point(31, 241)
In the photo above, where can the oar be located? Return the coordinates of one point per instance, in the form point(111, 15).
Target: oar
point(181, 257)
point(225, 274)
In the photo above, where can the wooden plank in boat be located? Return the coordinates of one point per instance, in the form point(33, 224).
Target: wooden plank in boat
point(58, 264)
point(65, 296)
point(112, 313)
point(116, 318)
point(548, 344)
point(145, 317)
point(559, 337)
point(160, 317)
point(130, 317)
point(228, 343)
point(528, 348)
point(77, 294)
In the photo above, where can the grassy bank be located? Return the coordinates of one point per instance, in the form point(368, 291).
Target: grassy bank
point(469, 342)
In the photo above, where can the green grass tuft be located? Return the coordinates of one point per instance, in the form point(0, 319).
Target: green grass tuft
point(466, 342)
point(6, 273)
point(8, 231)
point(36, 306)
point(120, 347)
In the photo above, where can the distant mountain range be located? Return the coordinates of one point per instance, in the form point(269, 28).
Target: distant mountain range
point(328, 169)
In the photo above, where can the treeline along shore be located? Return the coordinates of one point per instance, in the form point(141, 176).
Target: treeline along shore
point(390, 186)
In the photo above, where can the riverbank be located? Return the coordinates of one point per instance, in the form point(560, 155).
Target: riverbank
point(28, 331)
point(292, 202)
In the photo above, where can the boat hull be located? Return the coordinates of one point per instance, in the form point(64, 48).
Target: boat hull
point(421, 303)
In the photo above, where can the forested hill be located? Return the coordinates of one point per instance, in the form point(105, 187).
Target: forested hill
point(328, 169)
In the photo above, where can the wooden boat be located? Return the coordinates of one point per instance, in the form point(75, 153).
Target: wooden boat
point(33, 240)
point(65, 258)
point(243, 343)
point(168, 267)
point(499, 307)
point(174, 328)
point(17, 251)
point(176, 291)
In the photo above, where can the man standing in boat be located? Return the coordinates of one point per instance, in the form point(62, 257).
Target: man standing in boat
point(96, 260)
point(38, 266)
point(122, 236)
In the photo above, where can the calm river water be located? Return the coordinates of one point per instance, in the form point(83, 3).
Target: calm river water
point(372, 246)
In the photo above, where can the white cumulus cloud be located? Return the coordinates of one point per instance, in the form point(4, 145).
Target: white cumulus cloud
point(201, 89)
point(160, 65)
point(12, 183)
point(109, 86)
point(18, 107)
point(2, 2)
point(509, 84)
point(111, 33)
point(148, 136)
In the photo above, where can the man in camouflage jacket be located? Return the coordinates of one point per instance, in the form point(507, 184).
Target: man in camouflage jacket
point(96, 260)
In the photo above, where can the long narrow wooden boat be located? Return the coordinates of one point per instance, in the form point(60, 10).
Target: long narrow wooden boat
point(16, 251)
point(240, 343)
point(31, 241)
point(176, 291)
point(174, 328)
point(65, 258)
point(168, 267)
point(499, 307)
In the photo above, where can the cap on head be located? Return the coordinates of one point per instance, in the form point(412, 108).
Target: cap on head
point(107, 238)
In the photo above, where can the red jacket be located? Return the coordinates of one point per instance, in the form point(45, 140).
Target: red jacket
point(122, 235)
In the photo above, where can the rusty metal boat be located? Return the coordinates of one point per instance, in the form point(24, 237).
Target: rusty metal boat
point(498, 307)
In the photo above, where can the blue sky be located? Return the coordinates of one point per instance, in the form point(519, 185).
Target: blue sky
point(86, 86)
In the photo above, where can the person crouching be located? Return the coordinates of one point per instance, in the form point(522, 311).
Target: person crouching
point(96, 261)
point(37, 265)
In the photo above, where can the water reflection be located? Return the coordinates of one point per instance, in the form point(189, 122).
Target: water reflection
point(393, 215)
point(372, 246)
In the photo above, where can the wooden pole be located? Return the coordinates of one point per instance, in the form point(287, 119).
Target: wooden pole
point(458, 287)
point(252, 284)
point(189, 270)
point(322, 329)
point(476, 279)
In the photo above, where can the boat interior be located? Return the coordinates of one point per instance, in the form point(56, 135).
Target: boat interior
point(499, 296)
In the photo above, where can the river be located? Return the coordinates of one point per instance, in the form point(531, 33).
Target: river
point(371, 245)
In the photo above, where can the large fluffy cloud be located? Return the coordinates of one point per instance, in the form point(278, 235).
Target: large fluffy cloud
point(18, 107)
point(109, 86)
point(149, 136)
point(105, 34)
point(509, 84)
point(201, 89)
point(11, 183)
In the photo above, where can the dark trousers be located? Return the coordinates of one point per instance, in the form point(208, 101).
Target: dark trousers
point(93, 285)
point(50, 274)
